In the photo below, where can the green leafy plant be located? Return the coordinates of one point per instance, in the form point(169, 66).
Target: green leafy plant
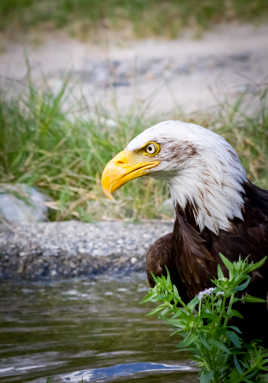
point(204, 325)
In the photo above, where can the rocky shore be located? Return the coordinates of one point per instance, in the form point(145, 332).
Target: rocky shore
point(61, 250)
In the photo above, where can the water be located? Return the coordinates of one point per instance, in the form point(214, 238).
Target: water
point(90, 331)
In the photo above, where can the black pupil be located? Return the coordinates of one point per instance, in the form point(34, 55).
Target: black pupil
point(150, 148)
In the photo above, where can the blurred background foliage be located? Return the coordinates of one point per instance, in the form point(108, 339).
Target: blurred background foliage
point(142, 18)
point(63, 154)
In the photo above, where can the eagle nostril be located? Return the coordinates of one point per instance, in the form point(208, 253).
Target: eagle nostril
point(120, 162)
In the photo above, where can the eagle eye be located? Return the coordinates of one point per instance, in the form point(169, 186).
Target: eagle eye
point(152, 148)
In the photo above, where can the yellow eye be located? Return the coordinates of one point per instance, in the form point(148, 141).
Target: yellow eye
point(152, 148)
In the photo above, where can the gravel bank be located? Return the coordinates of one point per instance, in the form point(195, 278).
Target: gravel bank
point(60, 250)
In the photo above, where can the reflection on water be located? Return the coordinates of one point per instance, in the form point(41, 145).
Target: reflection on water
point(130, 370)
point(90, 331)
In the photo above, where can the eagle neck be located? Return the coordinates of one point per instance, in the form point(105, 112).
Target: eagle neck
point(208, 202)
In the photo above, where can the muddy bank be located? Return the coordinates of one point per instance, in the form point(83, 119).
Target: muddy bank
point(60, 250)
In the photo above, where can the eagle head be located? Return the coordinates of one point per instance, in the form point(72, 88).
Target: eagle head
point(200, 166)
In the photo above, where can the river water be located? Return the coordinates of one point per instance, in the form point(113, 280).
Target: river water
point(86, 331)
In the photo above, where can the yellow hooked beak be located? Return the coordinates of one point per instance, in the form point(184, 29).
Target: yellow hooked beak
point(125, 166)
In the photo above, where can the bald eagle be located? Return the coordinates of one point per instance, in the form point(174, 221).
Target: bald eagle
point(217, 209)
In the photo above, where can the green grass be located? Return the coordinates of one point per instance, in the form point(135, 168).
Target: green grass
point(64, 154)
point(143, 17)
point(249, 134)
point(42, 146)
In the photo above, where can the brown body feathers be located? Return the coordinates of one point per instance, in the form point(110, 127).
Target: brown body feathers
point(192, 256)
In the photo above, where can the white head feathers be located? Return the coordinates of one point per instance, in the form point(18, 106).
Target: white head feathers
point(201, 168)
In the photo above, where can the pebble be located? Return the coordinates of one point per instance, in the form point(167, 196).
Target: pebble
point(20, 203)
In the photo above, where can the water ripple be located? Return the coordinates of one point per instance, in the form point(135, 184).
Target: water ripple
point(83, 331)
point(122, 370)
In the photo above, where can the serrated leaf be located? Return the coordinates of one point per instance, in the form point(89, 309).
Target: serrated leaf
point(192, 304)
point(220, 345)
point(237, 365)
point(220, 273)
point(204, 343)
point(234, 338)
point(165, 312)
point(236, 314)
point(251, 298)
point(236, 329)
point(206, 377)
point(186, 342)
point(227, 263)
point(147, 298)
point(257, 265)
point(155, 278)
point(244, 285)
point(156, 310)
point(177, 323)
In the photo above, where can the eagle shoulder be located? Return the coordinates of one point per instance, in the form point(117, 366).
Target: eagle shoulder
point(161, 255)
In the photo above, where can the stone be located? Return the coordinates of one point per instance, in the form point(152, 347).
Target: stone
point(22, 204)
